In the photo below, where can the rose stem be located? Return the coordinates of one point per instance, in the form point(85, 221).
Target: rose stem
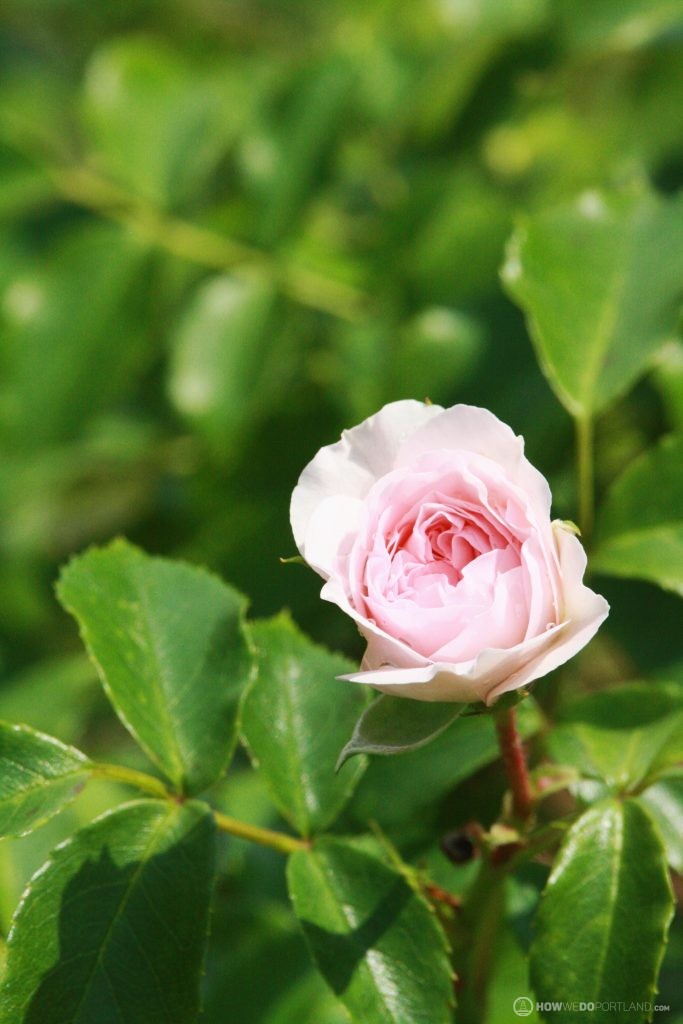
point(514, 760)
point(584, 458)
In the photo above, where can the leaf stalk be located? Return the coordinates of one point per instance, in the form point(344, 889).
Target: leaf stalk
point(155, 787)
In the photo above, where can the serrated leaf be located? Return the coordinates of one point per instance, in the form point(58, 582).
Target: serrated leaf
point(664, 801)
point(113, 927)
point(602, 924)
point(295, 718)
point(169, 644)
point(637, 537)
point(600, 282)
point(621, 735)
point(395, 725)
point(38, 776)
point(374, 940)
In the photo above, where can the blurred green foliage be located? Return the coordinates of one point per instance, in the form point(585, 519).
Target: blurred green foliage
point(229, 228)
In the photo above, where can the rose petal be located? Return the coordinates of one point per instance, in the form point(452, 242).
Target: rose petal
point(382, 649)
point(330, 532)
point(351, 466)
point(433, 532)
point(468, 681)
point(584, 612)
point(469, 428)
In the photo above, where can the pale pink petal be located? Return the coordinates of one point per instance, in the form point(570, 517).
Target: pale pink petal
point(467, 681)
point(584, 612)
point(433, 532)
point(382, 648)
point(469, 428)
point(352, 465)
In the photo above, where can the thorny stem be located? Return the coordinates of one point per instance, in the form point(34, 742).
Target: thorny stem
point(155, 787)
point(514, 759)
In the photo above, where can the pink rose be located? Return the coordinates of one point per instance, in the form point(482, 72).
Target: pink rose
point(433, 532)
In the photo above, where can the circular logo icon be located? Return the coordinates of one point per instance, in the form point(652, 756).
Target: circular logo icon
point(523, 1006)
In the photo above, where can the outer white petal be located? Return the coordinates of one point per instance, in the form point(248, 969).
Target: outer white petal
point(330, 532)
point(469, 428)
point(464, 682)
point(351, 466)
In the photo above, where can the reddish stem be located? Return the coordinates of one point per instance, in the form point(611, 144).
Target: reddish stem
point(514, 759)
point(439, 895)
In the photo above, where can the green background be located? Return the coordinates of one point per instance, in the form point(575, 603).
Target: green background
point(227, 231)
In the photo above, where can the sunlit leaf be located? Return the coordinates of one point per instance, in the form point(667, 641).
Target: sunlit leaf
point(621, 734)
point(168, 641)
point(156, 122)
point(225, 356)
point(640, 538)
point(599, 298)
point(114, 925)
point(664, 801)
point(38, 776)
point(601, 928)
point(375, 942)
point(71, 338)
point(295, 719)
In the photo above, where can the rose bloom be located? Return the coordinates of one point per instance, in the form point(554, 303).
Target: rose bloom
point(433, 532)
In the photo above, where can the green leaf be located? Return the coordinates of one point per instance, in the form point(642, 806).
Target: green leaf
point(156, 124)
point(601, 927)
point(169, 644)
point(664, 801)
point(222, 353)
point(376, 943)
point(114, 926)
point(623, 734)
point(38, 776)
point(600, 282)
point(294, 720)
point(395, 725)
point(466, 229)
point(305, 133)
point(619, 25)
point(640, 538)
point(667, 377)
point(73, 315)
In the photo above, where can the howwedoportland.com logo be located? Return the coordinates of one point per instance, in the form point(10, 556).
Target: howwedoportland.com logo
point(524, 1007)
